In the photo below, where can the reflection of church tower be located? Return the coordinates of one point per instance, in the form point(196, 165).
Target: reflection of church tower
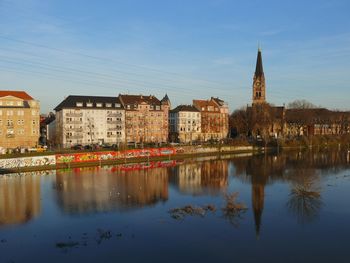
point(258, 196)
point(259, 89)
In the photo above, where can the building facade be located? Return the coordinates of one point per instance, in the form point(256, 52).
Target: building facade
point(146, 118)
point(214, 118)
point(88, 120)
point(185, 124)
point(19, 120)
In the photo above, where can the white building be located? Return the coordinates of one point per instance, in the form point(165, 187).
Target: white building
point(89, 120)
point(185, 124)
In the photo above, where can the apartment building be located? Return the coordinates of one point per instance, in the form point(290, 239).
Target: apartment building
point(88, 120)
point(185, 124)
point(19, 120)
point(214, 118)
point(146, 118)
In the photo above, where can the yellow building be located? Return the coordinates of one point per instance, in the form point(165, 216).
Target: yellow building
point(19, 120)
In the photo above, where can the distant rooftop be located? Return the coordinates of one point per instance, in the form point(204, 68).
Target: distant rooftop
point(18, 94)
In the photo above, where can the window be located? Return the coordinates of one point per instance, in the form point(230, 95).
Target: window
point(99, 105)
point(9, 103)
point(157, 107)
point(88, 104)
point(19, 103)
point(9, 113)
point(108, 105)
point(33, 112)
point(33, 122)
point(20, 113)
point(79, 104)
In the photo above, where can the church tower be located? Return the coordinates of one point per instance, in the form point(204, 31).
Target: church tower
point(259, 89)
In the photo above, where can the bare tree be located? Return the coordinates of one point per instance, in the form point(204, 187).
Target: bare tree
point(301, 104)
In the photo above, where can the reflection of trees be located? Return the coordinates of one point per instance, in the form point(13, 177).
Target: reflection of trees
point(19, 198)
point(305, 198)
point(89, 190)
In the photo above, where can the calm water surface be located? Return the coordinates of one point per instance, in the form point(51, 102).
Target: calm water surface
point(298, 211)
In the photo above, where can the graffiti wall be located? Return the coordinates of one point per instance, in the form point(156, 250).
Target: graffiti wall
point(12, 163)
point(102, 156)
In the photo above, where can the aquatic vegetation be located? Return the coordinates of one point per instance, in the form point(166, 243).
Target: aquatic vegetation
point(181, 213)
point(233, 210)
point(305, 202)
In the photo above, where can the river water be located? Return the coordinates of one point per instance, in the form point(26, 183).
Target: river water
point(297, 210)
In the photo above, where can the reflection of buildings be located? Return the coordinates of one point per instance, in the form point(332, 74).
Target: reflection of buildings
point(19, 199)
point(201, 177)
point(95, 189)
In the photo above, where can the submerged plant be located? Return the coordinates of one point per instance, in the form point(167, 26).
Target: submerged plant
point(305, 202)
point(180, 213)
point(233, 210)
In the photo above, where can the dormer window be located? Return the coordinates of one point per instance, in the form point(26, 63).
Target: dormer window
point(117, 105)
point(108, 105)
point(157, 107)
point(79, 104)
point(89, 104)
point(128, 106)
point(99, 105)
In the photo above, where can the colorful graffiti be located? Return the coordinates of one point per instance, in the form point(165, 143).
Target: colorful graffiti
point(12, 163)
point(102, 156)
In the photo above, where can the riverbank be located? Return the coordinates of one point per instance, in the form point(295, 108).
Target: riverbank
point(82, 159)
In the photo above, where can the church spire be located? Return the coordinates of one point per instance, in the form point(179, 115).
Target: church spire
point(259, 65)
point(259, 89)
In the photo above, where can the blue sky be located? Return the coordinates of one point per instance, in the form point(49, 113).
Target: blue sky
point(187, 49)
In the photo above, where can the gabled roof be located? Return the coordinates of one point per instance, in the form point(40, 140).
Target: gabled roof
point(18, 94)
point(138, 99)
point(185, 108)
point(71, 102)
point(199, 104)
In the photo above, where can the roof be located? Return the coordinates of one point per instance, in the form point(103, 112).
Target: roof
point(185, 108)
point(220, 102)
point(165, 99)
point(277, 112)
point(18, 94)
point(315, 115)
point(199, 104)
point(138, 99)
point(71, 102)
point(259, 71)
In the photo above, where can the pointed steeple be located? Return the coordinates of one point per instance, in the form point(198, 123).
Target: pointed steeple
point(259, 71)
point(259, 88)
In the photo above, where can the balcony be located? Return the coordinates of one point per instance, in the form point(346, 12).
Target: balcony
point(74, 122)
point(114, 115)
point(75, 129)
point(70, 114)
point(113, 122)
point(76, 136)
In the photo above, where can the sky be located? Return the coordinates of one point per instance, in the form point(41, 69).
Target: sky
point(189, 49)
